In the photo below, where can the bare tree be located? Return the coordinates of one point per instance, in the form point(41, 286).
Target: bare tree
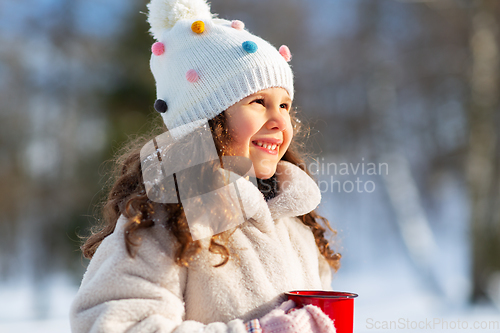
point(483, 160)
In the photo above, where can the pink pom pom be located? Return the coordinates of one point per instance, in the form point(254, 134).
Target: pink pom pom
point(158, 48)
point(285, 52)
point(192, 76)
point(238, 25)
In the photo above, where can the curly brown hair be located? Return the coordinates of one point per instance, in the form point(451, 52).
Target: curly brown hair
point(128, 197)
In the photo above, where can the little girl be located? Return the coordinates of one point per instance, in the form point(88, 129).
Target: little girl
point(149, 272)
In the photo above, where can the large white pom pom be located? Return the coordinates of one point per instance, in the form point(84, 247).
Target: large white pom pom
point(163, 14)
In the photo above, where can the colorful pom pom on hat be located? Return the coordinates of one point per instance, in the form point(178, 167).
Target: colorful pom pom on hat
point(202, 64)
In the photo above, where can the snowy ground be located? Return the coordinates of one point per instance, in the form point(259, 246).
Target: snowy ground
point(25, 307)
point(395, 295)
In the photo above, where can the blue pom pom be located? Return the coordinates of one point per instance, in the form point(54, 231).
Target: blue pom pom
point(250, 46)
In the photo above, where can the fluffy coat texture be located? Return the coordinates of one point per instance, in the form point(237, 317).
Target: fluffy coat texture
point(275, 253)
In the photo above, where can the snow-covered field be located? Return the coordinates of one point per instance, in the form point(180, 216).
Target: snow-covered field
point(396, 295)
point(26, 307)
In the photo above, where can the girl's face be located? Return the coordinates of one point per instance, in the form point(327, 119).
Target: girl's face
point(261, 129)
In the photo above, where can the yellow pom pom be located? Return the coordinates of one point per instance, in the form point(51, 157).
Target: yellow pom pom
point(198, 27)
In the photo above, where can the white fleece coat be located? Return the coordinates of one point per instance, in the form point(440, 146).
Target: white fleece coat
point(276, 253)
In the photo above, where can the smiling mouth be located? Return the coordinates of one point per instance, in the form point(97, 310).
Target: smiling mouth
point(268, 147)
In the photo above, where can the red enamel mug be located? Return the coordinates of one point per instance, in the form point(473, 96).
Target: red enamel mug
point(337, 305)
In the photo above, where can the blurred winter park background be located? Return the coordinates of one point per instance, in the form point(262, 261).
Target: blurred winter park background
point(402, 98)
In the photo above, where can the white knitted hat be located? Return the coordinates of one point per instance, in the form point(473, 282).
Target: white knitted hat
point(202, 65)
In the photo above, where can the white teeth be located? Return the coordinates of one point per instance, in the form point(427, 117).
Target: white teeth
point(267, 145)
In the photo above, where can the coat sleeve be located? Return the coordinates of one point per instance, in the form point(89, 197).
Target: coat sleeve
point(143, 294)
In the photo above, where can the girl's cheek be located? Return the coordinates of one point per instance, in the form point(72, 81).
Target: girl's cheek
point(242, 135)
point(289, 131)
point(247, 130)
point(288, 136)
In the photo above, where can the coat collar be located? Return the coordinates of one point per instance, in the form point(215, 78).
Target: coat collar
point(298, 195)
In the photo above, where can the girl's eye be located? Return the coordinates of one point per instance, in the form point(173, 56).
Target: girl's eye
point(259, 101)
point(284, 106)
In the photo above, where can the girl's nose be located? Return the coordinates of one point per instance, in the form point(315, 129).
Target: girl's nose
point(277, 119)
